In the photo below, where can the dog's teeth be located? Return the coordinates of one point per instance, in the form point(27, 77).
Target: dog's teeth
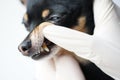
point(37, 53)
point(46, 49)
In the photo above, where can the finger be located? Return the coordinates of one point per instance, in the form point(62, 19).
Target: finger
point(67, 68)
point(45, 70)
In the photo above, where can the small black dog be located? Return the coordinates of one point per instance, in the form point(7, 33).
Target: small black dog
point(75, 14)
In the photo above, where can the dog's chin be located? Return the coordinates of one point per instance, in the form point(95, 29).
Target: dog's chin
point(37, 55)
point(45, 54)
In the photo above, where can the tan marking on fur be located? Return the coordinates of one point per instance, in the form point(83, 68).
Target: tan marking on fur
point(81, 24)
point(37, 32)
point(25, 17)
point(39, 28)
point(45, 13)
point(36, 35)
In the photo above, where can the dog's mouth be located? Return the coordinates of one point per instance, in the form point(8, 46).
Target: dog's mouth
point(43, 51)
point(36, 45)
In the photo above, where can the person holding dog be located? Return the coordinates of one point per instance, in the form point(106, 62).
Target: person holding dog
point(102, 48)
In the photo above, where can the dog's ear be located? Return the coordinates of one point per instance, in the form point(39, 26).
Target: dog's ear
point(24, 2)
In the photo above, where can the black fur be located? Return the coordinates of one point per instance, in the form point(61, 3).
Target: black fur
point(67, 13)
point(67, 10)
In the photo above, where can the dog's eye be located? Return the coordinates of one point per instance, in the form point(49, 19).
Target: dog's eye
point(54, 18)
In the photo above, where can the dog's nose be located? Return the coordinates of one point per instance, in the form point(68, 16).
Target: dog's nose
point(24, 46)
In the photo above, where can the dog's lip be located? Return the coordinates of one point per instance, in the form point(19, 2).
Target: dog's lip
point(44, 50)
point(38, 52)
point(37, 55)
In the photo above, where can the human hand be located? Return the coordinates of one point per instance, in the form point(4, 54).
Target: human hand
point(102, 47)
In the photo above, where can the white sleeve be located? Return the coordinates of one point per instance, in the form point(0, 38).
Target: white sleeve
point(103, 48)
point(106, 37)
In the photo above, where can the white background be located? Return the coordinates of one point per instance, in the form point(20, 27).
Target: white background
point(117, 2)
point(13, 65)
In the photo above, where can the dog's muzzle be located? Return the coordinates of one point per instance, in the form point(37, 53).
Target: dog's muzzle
point(35, 45)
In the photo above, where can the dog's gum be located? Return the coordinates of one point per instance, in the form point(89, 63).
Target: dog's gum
point(41, 49)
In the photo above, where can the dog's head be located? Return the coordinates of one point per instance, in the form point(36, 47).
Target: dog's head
point(76, 14)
